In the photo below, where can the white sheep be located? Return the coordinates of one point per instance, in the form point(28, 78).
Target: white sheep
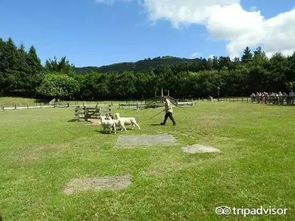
point(108, 124)
point(127, 120)
point(119, 123)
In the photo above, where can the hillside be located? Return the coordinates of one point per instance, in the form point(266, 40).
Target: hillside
point(139, 66)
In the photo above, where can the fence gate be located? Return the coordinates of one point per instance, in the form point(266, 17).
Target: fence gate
point(85, 113)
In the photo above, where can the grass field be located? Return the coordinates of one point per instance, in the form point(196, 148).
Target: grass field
point(9, 101)
point(42, 150)
point(21, 101)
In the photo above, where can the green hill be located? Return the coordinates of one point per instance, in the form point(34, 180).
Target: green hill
point(139, 66)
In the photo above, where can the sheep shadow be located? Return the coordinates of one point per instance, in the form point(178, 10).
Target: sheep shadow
point(118, 131)
point(73, 120)
point(104, 132)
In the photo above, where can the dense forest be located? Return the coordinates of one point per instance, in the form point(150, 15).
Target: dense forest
point(22, 74)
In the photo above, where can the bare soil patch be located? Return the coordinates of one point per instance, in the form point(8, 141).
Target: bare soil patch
point(94, 121)
point(98, 184)
point(146, 140)
point(200, 149)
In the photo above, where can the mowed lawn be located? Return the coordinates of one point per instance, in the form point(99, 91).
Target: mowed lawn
point(42, 150)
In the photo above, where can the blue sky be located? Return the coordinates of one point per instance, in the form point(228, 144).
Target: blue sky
point(99, 32)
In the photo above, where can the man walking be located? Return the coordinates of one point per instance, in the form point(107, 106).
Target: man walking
point(169, 111)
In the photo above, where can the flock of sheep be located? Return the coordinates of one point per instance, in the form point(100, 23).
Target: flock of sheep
point(109, 124)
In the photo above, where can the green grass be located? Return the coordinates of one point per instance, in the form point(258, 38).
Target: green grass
point(42, 150)
point(20, 101)
point(9, 101)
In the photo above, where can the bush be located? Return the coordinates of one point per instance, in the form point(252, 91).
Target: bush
point(58, 86)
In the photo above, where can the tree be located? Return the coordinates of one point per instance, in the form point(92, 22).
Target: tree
point(277, 72)
point(10, 64)
point(34, 71)
point(62, 66)
point(247, 56)
point(259, 57)
point(58, 86)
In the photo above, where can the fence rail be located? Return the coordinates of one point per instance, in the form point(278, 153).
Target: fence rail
point(234, 99)
point(281, 100)
point(275, 100)
point(22, 107)
point(43, 105)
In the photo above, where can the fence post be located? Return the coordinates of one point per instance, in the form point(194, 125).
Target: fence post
point(15, 107)
point(85, 113)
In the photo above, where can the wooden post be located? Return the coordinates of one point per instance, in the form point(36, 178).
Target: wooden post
point(110, 109)
point(85, 113)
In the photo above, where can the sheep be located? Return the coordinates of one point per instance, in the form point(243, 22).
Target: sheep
point(118, 122)
point(108, 124)
point(127, 120)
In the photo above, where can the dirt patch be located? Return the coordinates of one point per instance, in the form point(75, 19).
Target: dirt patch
point(146, 140)
point(98, 184)
point(32, 155)
point(200, 149)
point(94, 121)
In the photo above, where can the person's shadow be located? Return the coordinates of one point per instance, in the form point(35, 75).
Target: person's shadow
point(155, 125)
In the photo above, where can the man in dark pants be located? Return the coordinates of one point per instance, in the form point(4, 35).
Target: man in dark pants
point(169, 112)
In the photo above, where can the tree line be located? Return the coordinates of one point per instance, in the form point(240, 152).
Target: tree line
point(22, 74)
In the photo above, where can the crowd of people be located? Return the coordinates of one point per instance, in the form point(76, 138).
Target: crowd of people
point(280, 98)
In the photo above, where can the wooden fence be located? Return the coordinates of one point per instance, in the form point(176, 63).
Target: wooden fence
point(86, 113)
point(280, 100)
point(234, 99)
point(37, 106)
point(22, 107)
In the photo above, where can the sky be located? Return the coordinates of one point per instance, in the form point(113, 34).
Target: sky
point(101, 32)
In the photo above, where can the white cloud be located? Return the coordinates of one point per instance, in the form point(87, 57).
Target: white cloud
point(227, 20)
point(184, 11)
point(253, 8)
point(104, 1)
point(110, 2)
point(195, 55)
